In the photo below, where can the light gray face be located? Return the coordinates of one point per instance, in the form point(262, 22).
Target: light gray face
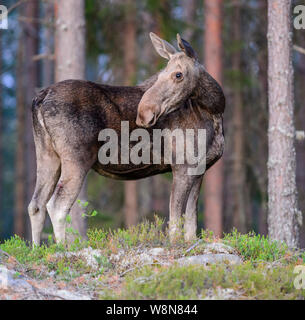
point(174, 84)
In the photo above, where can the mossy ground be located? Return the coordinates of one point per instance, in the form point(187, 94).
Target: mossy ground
point(266, 271)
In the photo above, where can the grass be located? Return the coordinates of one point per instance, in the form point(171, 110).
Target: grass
point(193, 282)
point(256, 247)
point(266, 271)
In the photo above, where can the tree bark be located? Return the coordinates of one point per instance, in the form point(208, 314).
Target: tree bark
point(130, 187)
point(20, 176)
point(70, 62)
point(261, 173)
point(48, 63)
point(1, 131)
point(213, 180)
point(300, 124)
point(189, 9)
point(239, 173)
point(284, 216)
point(70, 45)
point(31, 83)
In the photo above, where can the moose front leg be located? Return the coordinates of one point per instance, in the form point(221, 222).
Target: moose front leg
point(181, 187)
point(190, 224)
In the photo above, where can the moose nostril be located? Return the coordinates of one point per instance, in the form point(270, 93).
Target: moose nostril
point(151, 121)
point(139, 121)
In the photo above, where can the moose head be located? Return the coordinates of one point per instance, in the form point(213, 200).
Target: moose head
point(174, 85)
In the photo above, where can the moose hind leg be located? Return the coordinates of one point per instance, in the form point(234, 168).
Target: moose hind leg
point(48, 169)
point(66, 192)
point(190, 224)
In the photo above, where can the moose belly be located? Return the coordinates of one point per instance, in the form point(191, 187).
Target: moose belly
point(130, 172)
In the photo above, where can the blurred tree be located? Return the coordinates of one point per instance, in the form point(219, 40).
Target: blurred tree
point(239, 173)
point(70, 62)
point(300, 123)
point(130, 187)
point(1, 131)
point(20, 173)
point(28, 81)
point(284, 216)
point(189, 14)
point(213, 180)
point(160, 11)
point(48, 37)
point(260, 152)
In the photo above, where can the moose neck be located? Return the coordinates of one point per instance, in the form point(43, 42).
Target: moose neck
point(208, 94)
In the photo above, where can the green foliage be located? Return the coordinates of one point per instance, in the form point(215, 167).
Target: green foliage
point(87, 212)
point(165, 283)
point(266, 273)
point(256, 278)
point(146, 233)
point(255, 247)
point(162, 11)
point(24, 253)
point(197, 282)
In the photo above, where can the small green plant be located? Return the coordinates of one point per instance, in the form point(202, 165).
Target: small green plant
point(88, 212)
point(25, 253)
point(255, 247)
point(207, 235)
point(144, 234)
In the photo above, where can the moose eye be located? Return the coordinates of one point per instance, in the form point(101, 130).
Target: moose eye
point(179, 75)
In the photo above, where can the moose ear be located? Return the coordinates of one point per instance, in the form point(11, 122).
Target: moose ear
point(165, 49)
point(186, 47)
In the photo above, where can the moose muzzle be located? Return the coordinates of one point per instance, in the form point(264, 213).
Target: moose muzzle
point(148, 113)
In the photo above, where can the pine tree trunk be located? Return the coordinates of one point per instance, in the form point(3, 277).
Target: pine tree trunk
point(130, 187)
point(31, 83)
point(20, 175)
point(239, 174)
point(189, 9)
point(300, 146)
point(70, 62)
point(48, 63)
point(283, 216)
point(261, 176)
point(1, 132)
point(213, 180)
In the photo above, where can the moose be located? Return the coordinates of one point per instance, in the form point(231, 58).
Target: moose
point(68, 116)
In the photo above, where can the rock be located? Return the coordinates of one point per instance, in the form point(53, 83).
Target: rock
point(133, 258)
point(66, 295)
point(89, 255)
point(142, 258)
point(156, 251)
point(218, 247)
point(15, 286)
point(11, 280)
point(222, 294)
point(210, 258)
